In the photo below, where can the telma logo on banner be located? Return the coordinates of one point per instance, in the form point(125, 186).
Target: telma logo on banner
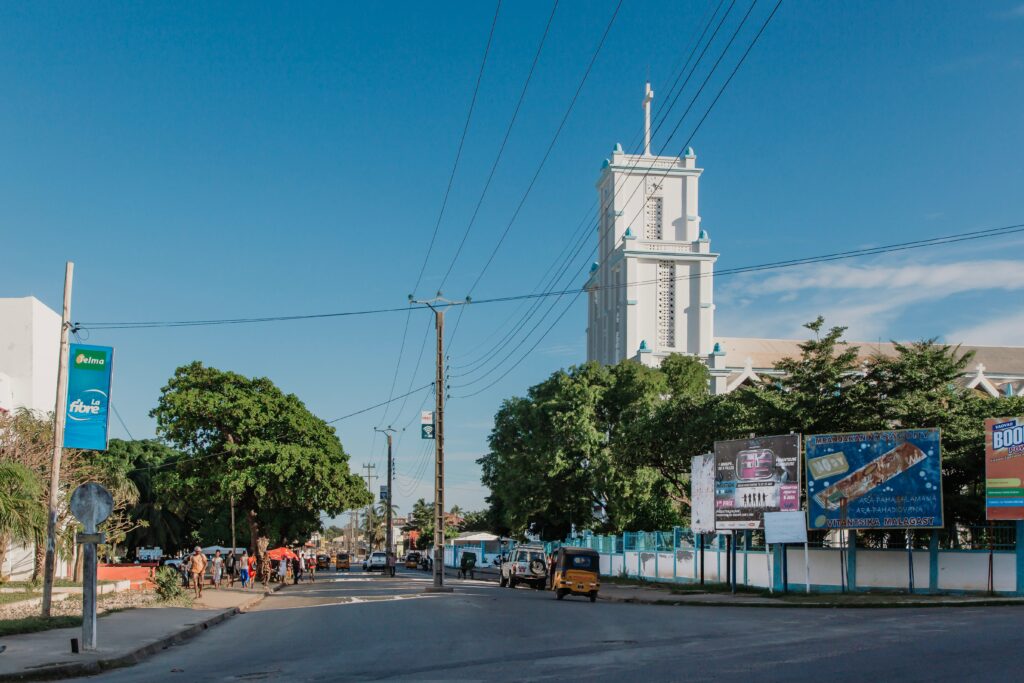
point(88, 403)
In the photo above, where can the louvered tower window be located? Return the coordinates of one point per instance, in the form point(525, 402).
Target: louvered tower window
point(666, 304)
point(653, 229)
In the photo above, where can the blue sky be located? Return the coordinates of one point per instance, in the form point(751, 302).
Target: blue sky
point(229, 160)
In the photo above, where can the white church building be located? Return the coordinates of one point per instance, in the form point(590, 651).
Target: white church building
point(651, 291)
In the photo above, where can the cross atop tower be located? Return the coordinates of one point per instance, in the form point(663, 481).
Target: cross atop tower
point(648, 96)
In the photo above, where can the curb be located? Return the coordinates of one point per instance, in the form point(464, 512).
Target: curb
point(137, 655)
point(675, 602)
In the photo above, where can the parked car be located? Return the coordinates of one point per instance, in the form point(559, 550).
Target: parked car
point(528, 565)
point(377, 562)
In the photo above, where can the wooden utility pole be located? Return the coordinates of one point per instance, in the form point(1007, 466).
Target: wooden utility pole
point(439, 391)
point(59, 412)
point(439, 395)
point(369, 508)
point(388, 534)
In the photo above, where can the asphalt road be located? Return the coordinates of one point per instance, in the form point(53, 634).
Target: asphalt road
point(359, 627)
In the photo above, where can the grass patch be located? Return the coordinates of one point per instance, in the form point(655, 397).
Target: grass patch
point(10, 627)
point(7, 598)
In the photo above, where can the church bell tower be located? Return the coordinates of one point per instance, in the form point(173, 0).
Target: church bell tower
point(650, 291)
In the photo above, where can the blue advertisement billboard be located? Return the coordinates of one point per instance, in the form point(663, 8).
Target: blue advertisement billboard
point(874, 480)
point(88, 403)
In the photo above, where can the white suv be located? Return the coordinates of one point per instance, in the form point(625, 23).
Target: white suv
point(527, 564)
point(377, 562)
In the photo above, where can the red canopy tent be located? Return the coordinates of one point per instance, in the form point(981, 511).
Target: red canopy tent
point(282, 552)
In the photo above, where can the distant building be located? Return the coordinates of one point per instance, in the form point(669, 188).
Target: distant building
point(650, 293)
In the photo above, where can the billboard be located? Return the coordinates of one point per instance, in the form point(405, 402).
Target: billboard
point(702, 494)
point(87, 411)
point(874, 480)
point(754, 476)
point(1004, 468)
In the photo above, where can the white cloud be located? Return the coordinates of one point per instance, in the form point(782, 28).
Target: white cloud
point(1003, 331)
point(868, 299)
point(947, 278)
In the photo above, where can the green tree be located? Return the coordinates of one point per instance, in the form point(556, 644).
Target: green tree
point(22, 518)
point(244, 438)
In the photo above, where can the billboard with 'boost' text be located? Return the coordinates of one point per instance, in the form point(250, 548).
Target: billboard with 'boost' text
point(1004, 468)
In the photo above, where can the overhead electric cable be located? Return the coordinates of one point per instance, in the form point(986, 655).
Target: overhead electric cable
point(772, 265)
point(663, 113)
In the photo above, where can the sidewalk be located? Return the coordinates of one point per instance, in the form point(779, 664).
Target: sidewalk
point(124, 638)
point(689, 594)
point(652, 593)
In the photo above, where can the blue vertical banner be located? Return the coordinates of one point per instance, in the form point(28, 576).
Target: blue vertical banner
point(87, 415)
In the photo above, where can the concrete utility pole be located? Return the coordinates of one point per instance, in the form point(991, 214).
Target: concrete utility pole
point(59, 411)
point(388, 534)
point(439, 395)
point(369, 508)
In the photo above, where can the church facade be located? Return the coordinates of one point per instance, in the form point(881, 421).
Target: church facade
point(651, 291)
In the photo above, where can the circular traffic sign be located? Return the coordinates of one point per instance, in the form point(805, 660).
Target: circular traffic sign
point(91, 504)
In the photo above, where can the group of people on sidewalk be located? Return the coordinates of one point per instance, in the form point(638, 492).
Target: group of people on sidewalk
point(296, 567)
point(232, 567)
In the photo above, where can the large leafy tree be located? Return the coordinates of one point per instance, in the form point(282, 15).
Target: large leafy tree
point(556, 461)
point(244, 439)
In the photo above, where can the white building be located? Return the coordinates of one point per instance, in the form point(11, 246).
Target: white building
point(651, 294)
point(29, 344)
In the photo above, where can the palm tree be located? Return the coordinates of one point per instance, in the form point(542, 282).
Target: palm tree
point(373, 528)
point(22, 518)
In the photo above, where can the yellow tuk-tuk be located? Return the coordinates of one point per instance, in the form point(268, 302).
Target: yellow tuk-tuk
point(576, 573)
point(412, 560)
point(342, 562)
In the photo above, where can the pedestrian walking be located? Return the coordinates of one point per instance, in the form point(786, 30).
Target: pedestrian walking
point(282, 570)
point(218, 568)
point(183, 570)
point(296, 570)
point(230, 566)
point(243, 566)
point(197, 567)
point(311, 568)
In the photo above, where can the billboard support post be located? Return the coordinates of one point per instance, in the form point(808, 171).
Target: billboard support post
point(807, 568)
point(768, 566)
point(785, 569)
point(702, 559)
point(1019, 545)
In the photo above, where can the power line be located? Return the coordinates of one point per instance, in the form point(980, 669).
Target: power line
point(772, 265)
point(444, 201)
point(227, 321)
point(637, 159)
point(462, 141)
point(581, 230)
point(378, 405)
point(501, 149)
point(551, 145)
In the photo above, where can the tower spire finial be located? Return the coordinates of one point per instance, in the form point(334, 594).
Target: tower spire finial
point(648, 96)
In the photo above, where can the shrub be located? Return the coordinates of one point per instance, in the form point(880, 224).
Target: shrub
point(168, 584)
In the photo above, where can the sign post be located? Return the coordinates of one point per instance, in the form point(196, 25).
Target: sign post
point(787, 527)
point(427, 427)
point(90, 504)
point(702, 497)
